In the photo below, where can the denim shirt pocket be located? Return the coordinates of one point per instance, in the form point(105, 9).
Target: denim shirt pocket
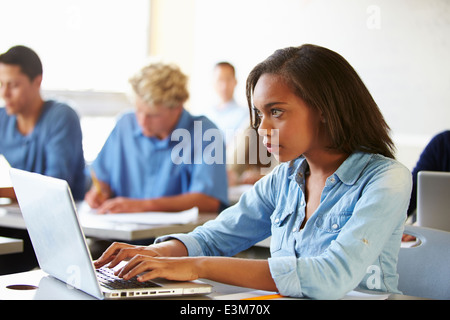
point(279, 221)
point(332, 222)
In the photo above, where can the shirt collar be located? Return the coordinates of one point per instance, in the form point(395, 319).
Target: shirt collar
point(352, 168)
point(349, 171)
point(184, 120)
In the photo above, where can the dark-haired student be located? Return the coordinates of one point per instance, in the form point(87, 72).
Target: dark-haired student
point(36, 135)
point(335, 206)
point(434, 157)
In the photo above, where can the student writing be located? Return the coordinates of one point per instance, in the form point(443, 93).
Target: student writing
point(135, 171)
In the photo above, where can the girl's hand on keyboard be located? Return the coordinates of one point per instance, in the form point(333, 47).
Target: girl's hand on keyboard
point(147, 268)
point(119, 252)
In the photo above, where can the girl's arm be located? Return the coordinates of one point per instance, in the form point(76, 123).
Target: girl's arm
point(248, 273)
point(168, 260)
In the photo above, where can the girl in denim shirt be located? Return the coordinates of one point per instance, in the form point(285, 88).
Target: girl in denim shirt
point(334, 208)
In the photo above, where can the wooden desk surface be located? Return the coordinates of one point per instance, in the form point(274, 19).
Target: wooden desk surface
point(37, 285)
point(134, 231)
point(11, 217)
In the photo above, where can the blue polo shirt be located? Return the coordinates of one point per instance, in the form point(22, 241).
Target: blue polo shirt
point(141, 167)
point(53, 148)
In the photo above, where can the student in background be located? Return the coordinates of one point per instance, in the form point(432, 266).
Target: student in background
point(229, 117)
point(36, 135)
point(335, 207)
point(435, 157)
point(245, 165)
point(136, 169)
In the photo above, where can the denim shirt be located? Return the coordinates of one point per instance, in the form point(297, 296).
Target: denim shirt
point(351, 241)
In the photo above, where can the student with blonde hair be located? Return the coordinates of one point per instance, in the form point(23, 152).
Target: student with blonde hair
point(135, 169)
point(335, 206)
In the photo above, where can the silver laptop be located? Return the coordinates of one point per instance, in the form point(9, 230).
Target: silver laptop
point(433, 200)
point(58, 240)
point(5, 181)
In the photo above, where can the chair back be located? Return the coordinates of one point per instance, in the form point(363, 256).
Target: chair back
point(424, 270)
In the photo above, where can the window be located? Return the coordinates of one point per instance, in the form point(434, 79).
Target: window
point(83, 44)
point(89, 49)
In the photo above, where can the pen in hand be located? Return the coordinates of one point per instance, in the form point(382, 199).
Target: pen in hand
point(96, 183)
point(98, 194)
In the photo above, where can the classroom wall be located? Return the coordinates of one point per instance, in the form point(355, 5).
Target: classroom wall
point(172, 31)
point(400, 49)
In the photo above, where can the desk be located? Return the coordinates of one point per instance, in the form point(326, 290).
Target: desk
point(11, 217)
point(9, 245)
point(37, 285)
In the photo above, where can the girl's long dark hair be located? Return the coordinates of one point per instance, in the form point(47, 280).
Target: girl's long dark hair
point(328, 83)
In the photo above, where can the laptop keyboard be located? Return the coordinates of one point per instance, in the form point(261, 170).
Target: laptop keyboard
point(107, 279)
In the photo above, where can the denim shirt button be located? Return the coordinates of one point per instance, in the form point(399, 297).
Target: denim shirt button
point(334, 226)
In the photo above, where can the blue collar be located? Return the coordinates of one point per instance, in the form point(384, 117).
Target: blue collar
point(349, 171)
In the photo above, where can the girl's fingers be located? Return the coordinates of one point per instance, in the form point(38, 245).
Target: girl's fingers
point(136, 266)
point(114, 254)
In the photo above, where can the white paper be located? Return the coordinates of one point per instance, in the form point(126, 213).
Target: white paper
point(352, 295)
point(358, 295)
point(153, 218)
